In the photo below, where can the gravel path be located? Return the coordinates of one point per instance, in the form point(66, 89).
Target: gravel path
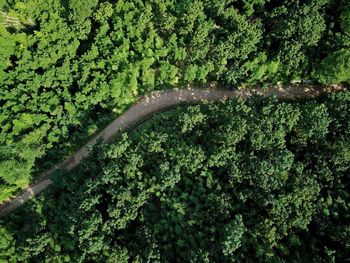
point(152, 103)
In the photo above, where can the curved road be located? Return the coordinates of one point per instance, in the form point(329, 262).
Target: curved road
point(152, 103)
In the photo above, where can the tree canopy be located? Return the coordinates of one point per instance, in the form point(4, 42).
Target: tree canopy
point(65, 64)
point(254, 181)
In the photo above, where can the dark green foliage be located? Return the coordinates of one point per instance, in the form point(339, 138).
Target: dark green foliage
point(259, 181)
point(331, 64)
point(345, 21)
point(296, 30)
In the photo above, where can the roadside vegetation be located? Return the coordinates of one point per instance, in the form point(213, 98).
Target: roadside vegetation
point(254, 181)
point(65, 66)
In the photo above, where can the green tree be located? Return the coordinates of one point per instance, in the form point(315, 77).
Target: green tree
point(334, 68)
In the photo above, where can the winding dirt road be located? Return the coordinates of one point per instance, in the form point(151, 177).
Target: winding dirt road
point(152, 103)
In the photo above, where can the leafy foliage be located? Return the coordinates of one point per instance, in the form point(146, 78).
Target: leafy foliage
point(334, 68)
point(255, 181)
point(64, 65)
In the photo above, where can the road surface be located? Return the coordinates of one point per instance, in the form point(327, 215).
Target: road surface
point(152, 103)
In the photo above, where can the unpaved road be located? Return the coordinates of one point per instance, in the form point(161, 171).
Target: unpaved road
point(152, 103)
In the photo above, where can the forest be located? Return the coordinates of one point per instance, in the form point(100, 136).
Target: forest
point(67, 67)
point(254, 181)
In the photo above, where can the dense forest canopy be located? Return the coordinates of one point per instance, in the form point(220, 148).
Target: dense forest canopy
point(65, 64)
point(255, 181)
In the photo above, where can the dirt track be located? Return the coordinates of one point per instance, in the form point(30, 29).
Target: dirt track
point(152, 103)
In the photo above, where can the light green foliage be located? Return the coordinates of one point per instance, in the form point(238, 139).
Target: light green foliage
point(16, 163)
point(233, 234)
point(7, 247)
point(66, 65)
point(259, 69)
point(334, 68)
point(10, 45)
point(190, 73)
